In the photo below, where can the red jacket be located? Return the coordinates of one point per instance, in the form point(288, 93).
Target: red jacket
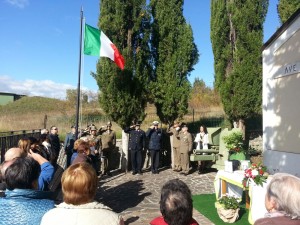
point(160, 221)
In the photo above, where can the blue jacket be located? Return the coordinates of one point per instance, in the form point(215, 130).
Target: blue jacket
point(24, 206)
point(69, 143)
point(154, 136)
point(46, 175)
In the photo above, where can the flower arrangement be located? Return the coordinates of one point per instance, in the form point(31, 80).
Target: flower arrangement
point(257, 173)
point(229, 201)
point(228, 208)
point(234, 142)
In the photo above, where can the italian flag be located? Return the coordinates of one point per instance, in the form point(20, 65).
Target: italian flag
point(98, 44)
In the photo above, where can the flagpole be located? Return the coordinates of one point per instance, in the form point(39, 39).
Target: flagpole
point(79, 75)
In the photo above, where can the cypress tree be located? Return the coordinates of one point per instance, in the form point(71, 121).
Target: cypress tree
point(174, 54)
point(286, 8)
point(122, 93)
point(237, 37)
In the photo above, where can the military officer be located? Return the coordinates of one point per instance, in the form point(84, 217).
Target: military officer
point(108, 144)
point(95, 145)
point(186, 146)
point(155, 136)
point(174, 130)
point(137, 143)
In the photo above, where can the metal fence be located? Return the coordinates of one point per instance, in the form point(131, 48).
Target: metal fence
point(10, 139)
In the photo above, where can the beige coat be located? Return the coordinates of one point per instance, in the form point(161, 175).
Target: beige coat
point(108, 140)
point(186, 142)
point(176, 140)
point(93, 213)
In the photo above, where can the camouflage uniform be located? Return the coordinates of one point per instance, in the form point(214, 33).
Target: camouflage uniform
point(95, 146)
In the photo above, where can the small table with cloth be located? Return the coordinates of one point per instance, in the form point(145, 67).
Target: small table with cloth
point(231, 183)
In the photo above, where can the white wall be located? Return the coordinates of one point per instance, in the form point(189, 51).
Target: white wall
point(281, 102)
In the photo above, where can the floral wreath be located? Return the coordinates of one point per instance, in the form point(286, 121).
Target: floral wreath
point(256, 173)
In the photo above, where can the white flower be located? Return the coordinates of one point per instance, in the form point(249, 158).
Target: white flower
point(255, 172)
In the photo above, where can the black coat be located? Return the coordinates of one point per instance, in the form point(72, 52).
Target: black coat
point(137, 139)
point(55, 143)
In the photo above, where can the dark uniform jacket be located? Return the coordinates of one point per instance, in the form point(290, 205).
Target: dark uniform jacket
point(137, 140)
point(154, 136)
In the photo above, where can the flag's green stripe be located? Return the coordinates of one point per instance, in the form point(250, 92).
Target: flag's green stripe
point(91, 41)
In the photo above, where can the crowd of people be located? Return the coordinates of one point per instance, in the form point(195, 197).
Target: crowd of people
point(28, 171)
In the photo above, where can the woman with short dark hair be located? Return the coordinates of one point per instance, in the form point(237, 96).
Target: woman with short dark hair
point(176, 205)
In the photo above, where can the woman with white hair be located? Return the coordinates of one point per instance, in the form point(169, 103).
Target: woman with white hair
point(282, 201)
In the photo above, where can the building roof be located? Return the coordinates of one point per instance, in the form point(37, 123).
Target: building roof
point(10, 94)
point(281, 29)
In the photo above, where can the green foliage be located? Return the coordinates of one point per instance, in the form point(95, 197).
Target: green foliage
point(173, 55)
point(123, 95)
point(234, 142)
point(203, 96)
point(71, 96)
point(237, 36)
point(286, 8)
point(229, 202)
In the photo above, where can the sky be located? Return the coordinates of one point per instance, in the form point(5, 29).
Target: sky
point(40, 42)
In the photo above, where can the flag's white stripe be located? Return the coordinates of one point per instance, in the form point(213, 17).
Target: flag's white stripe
point(105, 47)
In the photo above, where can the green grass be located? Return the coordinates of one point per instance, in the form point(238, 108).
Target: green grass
point(32, 105)
point(205, 204)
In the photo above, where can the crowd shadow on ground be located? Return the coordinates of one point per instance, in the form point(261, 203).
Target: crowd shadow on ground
point(122, 197)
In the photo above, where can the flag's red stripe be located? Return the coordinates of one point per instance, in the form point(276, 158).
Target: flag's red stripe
point(118, 58)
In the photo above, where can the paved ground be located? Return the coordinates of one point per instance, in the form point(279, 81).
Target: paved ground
point(136, 197)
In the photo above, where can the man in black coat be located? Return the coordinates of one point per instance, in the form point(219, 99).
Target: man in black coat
point(54, 141)
point(137, 141)
point(154, 134)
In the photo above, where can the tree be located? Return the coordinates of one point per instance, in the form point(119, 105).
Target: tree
point(286, 8)
point(203, 96)
point(71, 96)
point(237, 37)
point(173, 55)
point(122, 93)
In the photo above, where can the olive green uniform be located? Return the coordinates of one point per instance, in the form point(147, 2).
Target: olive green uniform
point(108, 144)
point(176, 146)
point(186, 146)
